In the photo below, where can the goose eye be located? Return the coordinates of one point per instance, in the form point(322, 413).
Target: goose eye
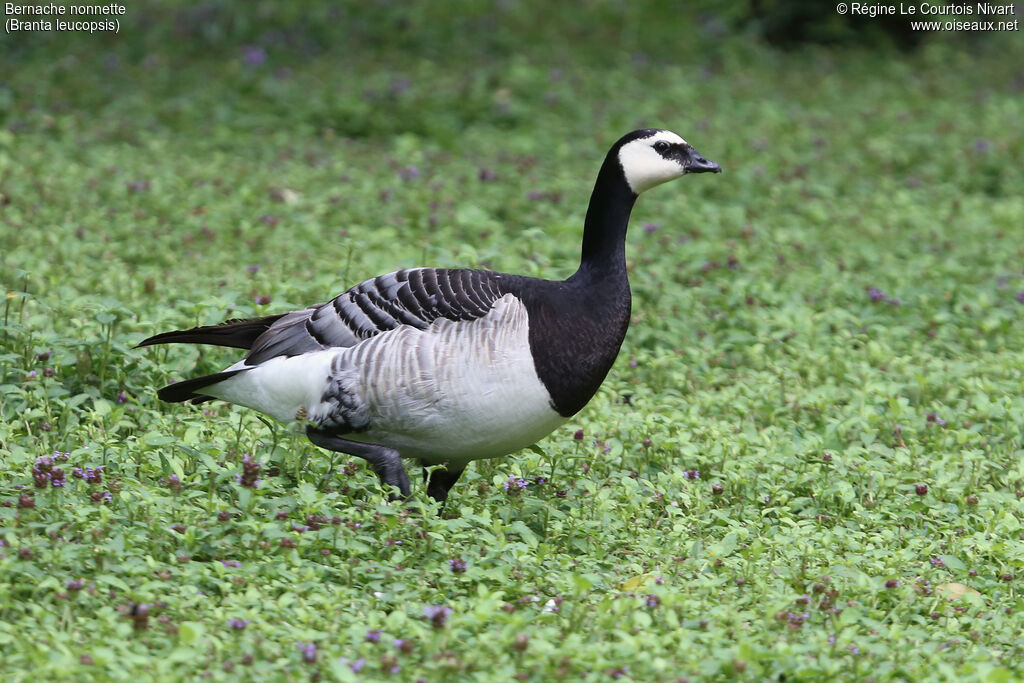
point(661, 146)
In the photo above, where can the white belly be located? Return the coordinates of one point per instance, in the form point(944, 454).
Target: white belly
point(457, 391)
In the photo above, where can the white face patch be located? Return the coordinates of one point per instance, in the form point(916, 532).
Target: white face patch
point(644, 167)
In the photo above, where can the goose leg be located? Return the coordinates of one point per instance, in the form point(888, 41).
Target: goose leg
point(386, 462)
point(440, 482)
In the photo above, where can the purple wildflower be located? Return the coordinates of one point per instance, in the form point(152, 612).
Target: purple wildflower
point(101, 496)
point(254, 55)
point(457, 564)
point(876, 294)
point(1020, 297)
point(691, 474)
point(937, 562)
point(88, 474)
point(250, 476)
point(515, 484)
point(410, 172)
point(373, 635)
point(934, 417)
point(140, 616)
point(308, 652)
point(57, 480)
point(231, 563)
point(402, 645)
point(75, 584)
point(173, 482)
point(238, 624)
point(399, 84)
point(31, 375)
point(356, 666)
point(253, 268)
point(122, 397)
point(618, 671)
point(41, 472)
point(650, 228)
point(437, 614)
point(652, 601)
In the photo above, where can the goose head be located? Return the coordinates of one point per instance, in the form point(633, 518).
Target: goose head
point(650, 157)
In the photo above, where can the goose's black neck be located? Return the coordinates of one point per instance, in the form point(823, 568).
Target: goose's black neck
point(604, 231)
point(577, 326)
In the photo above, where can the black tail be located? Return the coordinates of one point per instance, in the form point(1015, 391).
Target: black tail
point(183, 391)
point(239, 334)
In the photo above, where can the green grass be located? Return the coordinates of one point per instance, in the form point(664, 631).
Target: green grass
point(858, 452)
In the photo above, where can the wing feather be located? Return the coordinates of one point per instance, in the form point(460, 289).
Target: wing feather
point(474, 297)
point(375, 314)
point(414, 297)
point(424, 286)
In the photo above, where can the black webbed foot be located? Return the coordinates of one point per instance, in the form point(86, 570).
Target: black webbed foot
point(386, 462)
point(441, 481)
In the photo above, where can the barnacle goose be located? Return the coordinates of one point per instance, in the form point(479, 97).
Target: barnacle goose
point(448, 365)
